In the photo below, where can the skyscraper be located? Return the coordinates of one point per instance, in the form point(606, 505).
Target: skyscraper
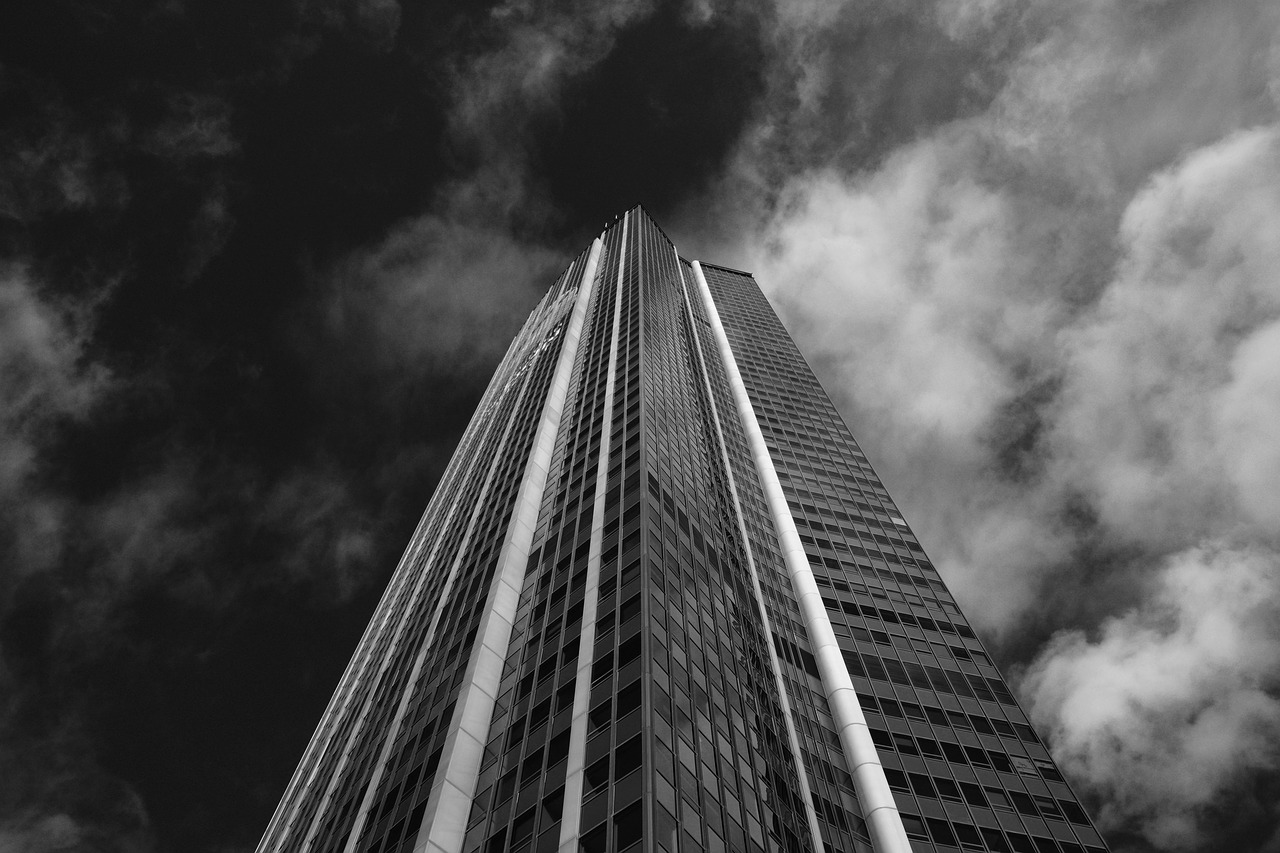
point(661, 602)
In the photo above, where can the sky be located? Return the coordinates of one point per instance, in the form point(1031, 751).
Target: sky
point(258, 259)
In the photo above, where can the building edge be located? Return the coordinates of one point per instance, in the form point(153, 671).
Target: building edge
point(444, 823)
point(880, 810)
point(571, 818)
point(793, 739)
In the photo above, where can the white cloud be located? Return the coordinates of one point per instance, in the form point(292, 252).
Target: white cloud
point(437, 296)
point(1054, 325)
point(196, 126)
point(332, 542)
point(1174, 704)
point(43, 379)
point(537, 49)
point(1247, 410)
point(917, 290)
point(1165, 378)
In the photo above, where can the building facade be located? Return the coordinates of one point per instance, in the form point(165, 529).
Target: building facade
point(661, 602)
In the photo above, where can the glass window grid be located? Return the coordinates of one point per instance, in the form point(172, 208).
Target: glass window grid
point(830, 783)
point(534, 709)
point(951, 736)
point(449, 657)
point(459, 483)
point(696, 577)
point(854, 535)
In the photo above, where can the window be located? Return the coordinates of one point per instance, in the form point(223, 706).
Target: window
point(947, 789)
point(601, 714)
point(995, 840)
point(897, 779)
point(553, 804)
point(973, 794)
point(914, 826)
point(597, 775)
point(523, 827)
point(904, 743)
point(627, 757)
point(921, 785)
point(1048, 771)
point(1073, 812)
point(929, 747)
point(941, 832)
point(968, 835)
point(1023, 765)
point(1021, 843)
point(998, 798)
point(981, 724)
point(628, 699)
point(628, 826)
point(595, 841)
point(1024, 804)
point(1048, 806)
point(506, 786)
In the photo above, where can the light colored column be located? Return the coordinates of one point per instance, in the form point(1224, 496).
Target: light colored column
point(286, 811)
point(878, 806)
point(322, 740)
point(462, 463)
point(356, 672)
point(449, 805)
point(775, 667)
point(428, 641)
point(571, 817)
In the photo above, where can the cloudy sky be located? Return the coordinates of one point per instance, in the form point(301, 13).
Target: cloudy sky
point(259, 257)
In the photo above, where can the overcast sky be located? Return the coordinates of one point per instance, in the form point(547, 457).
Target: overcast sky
point(259, 257)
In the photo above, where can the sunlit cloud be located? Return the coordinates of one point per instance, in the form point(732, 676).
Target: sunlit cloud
point(1052, 323)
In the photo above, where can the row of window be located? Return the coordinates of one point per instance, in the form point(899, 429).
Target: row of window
point(831, 490)
point(823, 758)
point(990, 838)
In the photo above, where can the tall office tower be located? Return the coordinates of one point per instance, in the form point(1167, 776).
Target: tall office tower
point(661, 602)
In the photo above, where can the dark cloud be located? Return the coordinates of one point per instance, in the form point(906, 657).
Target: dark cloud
point(258, 259)
point(869, 77)
point(657, 116)
point(188, 557)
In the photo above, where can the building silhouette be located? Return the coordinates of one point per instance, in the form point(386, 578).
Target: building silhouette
point(661, 602)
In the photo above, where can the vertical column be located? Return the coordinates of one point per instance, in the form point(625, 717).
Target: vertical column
point(449, 804)
point(429, 638)
point(793, 739)
point(879, 809)
point(571, 818)
point(393, 612)
point(392, 608)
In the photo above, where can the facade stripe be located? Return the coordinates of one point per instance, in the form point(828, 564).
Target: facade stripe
point(779, 682)
point(464, 458)
point(428, 640)
point(879, 808)
point(449, 805)
point(388, 605)
point(571, 818)
point(677, 729)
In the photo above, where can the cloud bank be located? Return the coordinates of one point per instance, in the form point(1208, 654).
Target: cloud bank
point(254, 281)
point(1170, 712)
point(1054, 323)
